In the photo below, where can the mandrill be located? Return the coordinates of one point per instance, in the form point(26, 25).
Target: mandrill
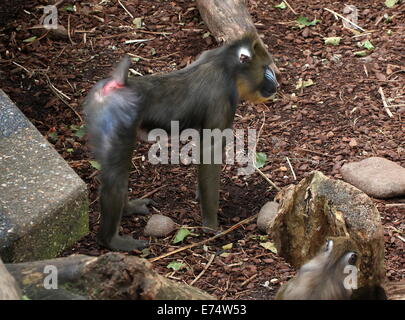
point(323, 277)
point(204, 95)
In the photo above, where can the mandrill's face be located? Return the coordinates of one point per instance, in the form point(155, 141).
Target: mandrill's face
point(257, 80)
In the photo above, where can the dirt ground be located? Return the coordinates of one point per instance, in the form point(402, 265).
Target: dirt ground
point(339, 118)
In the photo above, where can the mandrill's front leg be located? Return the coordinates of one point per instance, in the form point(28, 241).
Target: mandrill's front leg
point(209, 172)
point(208, 191)
point(208, 183)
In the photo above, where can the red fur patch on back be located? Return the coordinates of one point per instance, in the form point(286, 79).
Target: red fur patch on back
point(111, 86)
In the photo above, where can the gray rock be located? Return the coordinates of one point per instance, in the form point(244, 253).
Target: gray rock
point(377, 177)
point(266, 215)
point(159, 226)
point(43, 202)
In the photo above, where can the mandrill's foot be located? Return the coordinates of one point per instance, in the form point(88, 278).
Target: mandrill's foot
point(138, 206)
point(124, 243)
point(210, 225)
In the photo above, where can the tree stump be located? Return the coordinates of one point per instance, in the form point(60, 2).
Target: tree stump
point(319, 207)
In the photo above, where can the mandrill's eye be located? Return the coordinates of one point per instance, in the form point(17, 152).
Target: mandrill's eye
point(244, 55)
point(329, 245)
point(352, 258)
point(243, 58)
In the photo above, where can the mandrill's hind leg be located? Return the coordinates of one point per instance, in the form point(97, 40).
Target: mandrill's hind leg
point(112, 111)
point(113, 199)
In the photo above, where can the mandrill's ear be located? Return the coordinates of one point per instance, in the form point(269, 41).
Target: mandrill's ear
point(257, 45)
point(259, 49)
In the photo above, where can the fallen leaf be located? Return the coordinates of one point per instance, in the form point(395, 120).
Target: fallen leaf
point(269, 246)
point(137, 22)
point(175, 265)
point(282, 5)
point(95, 164)
point(303, 22)
point(334, 41)
point(361, 53)
point(145, 253)
point(181, 235)
point(206, 35)
point(70, 7)
point(32, 39)
point(391, 3)
point(304, 83)
point(368, 45)
point(261, 159)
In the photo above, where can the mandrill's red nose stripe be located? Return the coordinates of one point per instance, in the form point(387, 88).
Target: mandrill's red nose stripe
point(111, 86)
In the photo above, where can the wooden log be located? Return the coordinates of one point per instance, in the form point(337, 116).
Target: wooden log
point(227, 19)
point(9, 289)
point(396, 290)
point(111, 276)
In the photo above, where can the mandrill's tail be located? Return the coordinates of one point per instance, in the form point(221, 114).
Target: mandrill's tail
point(112, 109)
point(119, 77)
point(120, 73)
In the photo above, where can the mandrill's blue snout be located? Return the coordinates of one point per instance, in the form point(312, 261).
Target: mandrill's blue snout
point(270, 83)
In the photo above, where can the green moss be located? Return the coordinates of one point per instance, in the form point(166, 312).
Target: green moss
point(54, 234)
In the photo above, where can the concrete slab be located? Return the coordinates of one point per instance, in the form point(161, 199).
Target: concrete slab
point(43, 202)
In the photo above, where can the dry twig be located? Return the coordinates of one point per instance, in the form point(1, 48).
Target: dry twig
point(68, 31)
point(205, 269)
point(126, 10)
point(291, 8)
point(155, 32)
point(267, 179)
point(152, 192)
point(291, 167)
point(200, 243)
point(254, 151)
point(251, 278)
point(385, 103)
point(391, 205)
point(58, 93)
point(345, 19)
point(24, 68)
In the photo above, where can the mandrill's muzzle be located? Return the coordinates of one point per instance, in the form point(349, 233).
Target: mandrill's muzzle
point(270, 83)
